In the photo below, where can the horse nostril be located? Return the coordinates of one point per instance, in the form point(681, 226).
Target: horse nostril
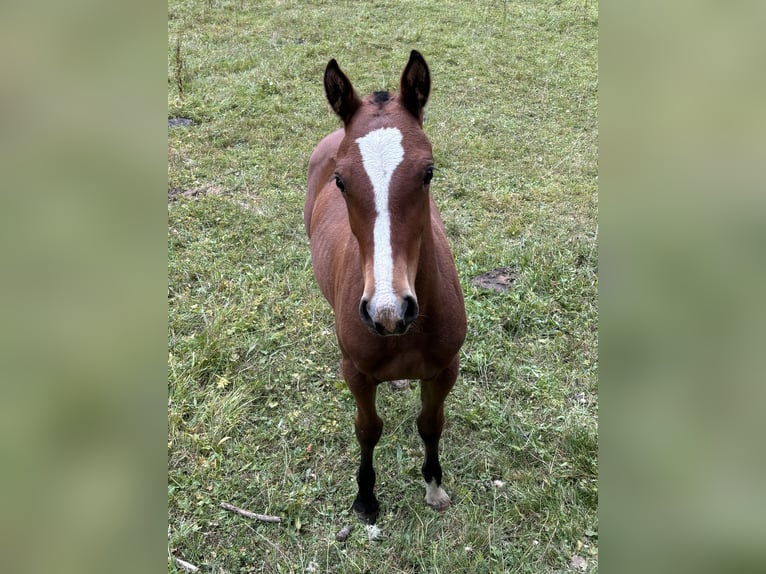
point(410, 310)
point(365, 314)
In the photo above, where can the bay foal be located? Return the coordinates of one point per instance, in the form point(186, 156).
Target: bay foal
point(381, 258)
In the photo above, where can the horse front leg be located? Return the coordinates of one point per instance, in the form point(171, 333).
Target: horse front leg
point(369, 427)
point(430, 426)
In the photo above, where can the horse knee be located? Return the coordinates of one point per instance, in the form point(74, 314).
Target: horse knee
point(368, 432)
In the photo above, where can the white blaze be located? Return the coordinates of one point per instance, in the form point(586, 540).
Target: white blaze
point(382, 152)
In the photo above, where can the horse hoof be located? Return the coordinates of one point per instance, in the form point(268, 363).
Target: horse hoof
point(399, 385)
point(440, 506)
point(436, 498)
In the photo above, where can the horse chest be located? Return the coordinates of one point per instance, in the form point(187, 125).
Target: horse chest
point(396, 358)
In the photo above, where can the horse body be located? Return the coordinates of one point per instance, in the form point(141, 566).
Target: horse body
point(382, 260)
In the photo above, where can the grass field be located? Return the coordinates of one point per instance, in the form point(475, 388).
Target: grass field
point(258, 415)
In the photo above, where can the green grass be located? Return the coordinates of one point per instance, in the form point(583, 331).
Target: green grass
point(258, 415)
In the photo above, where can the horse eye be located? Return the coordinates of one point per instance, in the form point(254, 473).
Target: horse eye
point(340, 184)
point(429, 175)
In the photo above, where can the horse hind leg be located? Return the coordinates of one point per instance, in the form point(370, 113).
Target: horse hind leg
point(369, 427)
point(430, 426)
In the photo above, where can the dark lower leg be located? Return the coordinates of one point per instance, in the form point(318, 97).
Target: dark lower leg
point(430, 426)
point(366, 504)
point(369, 427)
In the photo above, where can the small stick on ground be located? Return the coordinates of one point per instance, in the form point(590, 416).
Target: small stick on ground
point(342, 535)
point(184, 565)
point(243, 512)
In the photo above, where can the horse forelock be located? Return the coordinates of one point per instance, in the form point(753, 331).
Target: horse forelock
point(381, 98)
point(384, 110)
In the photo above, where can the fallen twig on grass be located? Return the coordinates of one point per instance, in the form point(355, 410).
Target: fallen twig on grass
point(183, 564)
point(243, 512)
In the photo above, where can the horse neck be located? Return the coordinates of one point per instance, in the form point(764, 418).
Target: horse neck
point(428, 263)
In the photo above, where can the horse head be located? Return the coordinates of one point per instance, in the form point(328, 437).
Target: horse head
point(383, 168)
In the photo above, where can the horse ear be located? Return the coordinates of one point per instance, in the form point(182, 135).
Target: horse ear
point(340, 93)
point(415, 85)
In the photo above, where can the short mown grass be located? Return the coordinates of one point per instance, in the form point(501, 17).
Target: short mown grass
point(258, 414)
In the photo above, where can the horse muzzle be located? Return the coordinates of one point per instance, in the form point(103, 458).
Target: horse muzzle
point(389, 319)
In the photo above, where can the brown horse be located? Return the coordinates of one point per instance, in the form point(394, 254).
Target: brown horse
point(382, 261)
